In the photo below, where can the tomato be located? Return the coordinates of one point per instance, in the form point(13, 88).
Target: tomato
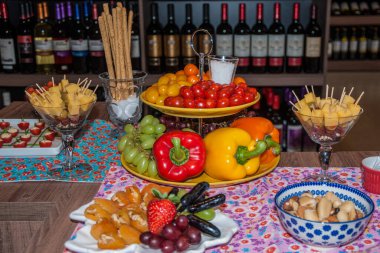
point(238, 80)
point(192, 79)
point(179, 72)
point(40, 124)
point(6, 137)
point(186, 92)
point(188, 103)
point(239, 91)
point(222, 102)
point(176, 101)
point(215, 86)
point(35, 130)
point(248, 97)
point(13, 131)
point(45, 144)
point(243, 85)
point(252, 90)
point(20, 144)
point(50, 136)
point(151, 94)
point(26, 137)
point(191, 69)
point(198, 91)
point(4, 124)
point(204, 84)
point(173, 90)
point(50, 84)
point(210, 103)
point(212, 94)
point(236, 100)
point(23, 125)
point(30, 90)
point(225, 92)
point(200, 103)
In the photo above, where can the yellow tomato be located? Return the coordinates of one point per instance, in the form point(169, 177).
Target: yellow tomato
point(181, 77)
point(180, 72)
point(151, 94)
point(163, 80)
point(163, 89)
point(184, 83)
point(171, 76)
point(173, 90)
point(160, 100)
point(155, 85)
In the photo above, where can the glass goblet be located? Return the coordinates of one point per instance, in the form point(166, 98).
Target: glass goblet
point(326, 132)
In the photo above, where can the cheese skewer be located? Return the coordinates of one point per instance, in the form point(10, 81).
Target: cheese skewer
point(294, 105)
point(84, 80)
point(351, 91)
point(327, 91)
point(86, 87)
point(307, 90)
point(93, 92)
point(341, 97)
point(312, 89)
point(360, 97)
point(78, 81)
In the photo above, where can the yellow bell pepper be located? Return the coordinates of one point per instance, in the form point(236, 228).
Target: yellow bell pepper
point(232, 154)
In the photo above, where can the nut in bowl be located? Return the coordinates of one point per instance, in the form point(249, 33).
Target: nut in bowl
point(321, 233)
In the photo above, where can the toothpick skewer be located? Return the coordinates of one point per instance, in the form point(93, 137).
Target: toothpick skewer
point(312, 89)
point(64, 77)
point(296, 98)
point(84, 80)
point(352, 89)
point(341, 97)
point(327, 91)
point(78, 81)
point(294, 105)
point(332, 93)
point(52, 79)
point(360, 97)
point(307, 90)
point(86, 87)
point(93, 92)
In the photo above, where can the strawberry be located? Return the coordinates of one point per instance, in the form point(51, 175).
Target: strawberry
point(4, 124)
point(13, 131)
point(160, 212)
point(23, 125)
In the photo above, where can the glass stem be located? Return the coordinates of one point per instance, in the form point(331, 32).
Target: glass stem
point(324, 158)
point(68, 144)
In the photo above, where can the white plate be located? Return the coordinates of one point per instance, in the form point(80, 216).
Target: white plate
point(35, 151)
point(84, 242)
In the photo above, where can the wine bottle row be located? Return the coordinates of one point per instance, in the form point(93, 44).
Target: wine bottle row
point(344, 7)
point(259, 49)
point(69, 43)
point(354, 43)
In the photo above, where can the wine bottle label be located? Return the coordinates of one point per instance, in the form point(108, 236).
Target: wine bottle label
point(294, 45)
point(337, 46)
point(8, 54)
point(79, 48)
point(294, 61)
point(171, 48)
point(259, 61)
point(188, 60)
point(363, 45)
point(95, 45)
point(363, 6)
point(313, 46)
point(335, 6)
point(154, 46)
point(353, 46)
point(186, 50)
point(276, 61)
point(344, 6)
point(204, 43)
point(374, 46)
point(354, 6)
point(224, 44)
point(242, 44)
point(259, 45)
point(61, 44)
point(44, 50)
point(344, 45)
point(294, 138)
point(154, 61)
point(375, 5)
point(135, 46)
point(329, 49)
point(25, 48)
point(172, 61)
point(276, 45)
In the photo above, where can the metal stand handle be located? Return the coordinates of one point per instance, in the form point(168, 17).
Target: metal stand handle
point(201, 55)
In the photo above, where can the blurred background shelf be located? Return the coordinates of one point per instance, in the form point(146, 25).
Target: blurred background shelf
point(354, 65)
point(354, 20)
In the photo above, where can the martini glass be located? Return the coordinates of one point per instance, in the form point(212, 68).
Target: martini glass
point(66, 120)
point(326, 136)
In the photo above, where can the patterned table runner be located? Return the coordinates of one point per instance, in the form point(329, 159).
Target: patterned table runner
point(251, 205)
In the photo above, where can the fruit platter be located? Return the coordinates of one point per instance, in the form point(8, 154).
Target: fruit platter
point(27, 138)
point(153, 219)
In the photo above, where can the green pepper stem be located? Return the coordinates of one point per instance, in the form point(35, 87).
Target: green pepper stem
point(276, 148)
point(242, 154)
point(179, 155)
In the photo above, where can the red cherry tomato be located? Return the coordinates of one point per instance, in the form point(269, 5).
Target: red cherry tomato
point(23, 125)
point(236, 100)
point(4, 124)
point(248, 97)
point(50, 84)
point(177, 101)
point(200, 103)
point(204, 85)
point(188, 103)
point(252, 90)
point(239, 91)
point(20, 144)
point(6, 137)
point(26, 137)
point(35, 130)
point(45, 143)
point(225, 92)
point(40, 124)
point(50, 136)
point(210, 103)
point(222, 102)
point(186, 92)
point(198, 91)
point(242, 85)
point(215, 87)
point(30, 90)
point(211, 94)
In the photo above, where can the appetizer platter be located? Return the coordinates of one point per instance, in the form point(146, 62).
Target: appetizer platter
point(27, 138)
point(153, 219)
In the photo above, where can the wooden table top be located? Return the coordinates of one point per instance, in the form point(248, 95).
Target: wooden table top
point(34, 216)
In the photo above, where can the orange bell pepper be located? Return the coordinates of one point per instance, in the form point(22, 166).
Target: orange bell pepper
point(259, 128)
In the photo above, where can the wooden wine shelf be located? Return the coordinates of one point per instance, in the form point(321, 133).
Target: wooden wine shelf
point(354, 20)
point(354, 65)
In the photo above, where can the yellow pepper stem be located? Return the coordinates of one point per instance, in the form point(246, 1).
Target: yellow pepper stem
point(242, 154)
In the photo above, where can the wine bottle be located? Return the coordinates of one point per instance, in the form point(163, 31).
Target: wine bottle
point(259, 42)
point(7, 43)
point(172, 42)
point(353, 47)
point(25, 43)
point(30, 19)
point(204, 39)
point(364, 8)
point(86, 17)
point(224, 37)
point(330, 46)
point(294, 131)
point(97, 57)
point(362, 43)
point(312, 60)
point(276, 42)
point(269, 105)
point(375, 8)
point(354, 6)
point(79, 44)
point(61, 44)
point(242, 42)
point(154, 35)
point(69, 19)
point(374, 43)
point(335, 9)
point(276, 117)
point(135, 40)
point(344, 8)
point(344, 44)
point(46, 12)
point(336, 43)
point(43, 43)
point(188, 55)
point(294, 42)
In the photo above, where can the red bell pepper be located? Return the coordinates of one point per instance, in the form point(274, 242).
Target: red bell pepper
point(179, 155)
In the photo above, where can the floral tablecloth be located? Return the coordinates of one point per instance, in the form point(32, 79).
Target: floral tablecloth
point(93, 146)
point(251, 205)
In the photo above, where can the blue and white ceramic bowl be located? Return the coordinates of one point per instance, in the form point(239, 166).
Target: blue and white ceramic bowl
point(322, 234)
